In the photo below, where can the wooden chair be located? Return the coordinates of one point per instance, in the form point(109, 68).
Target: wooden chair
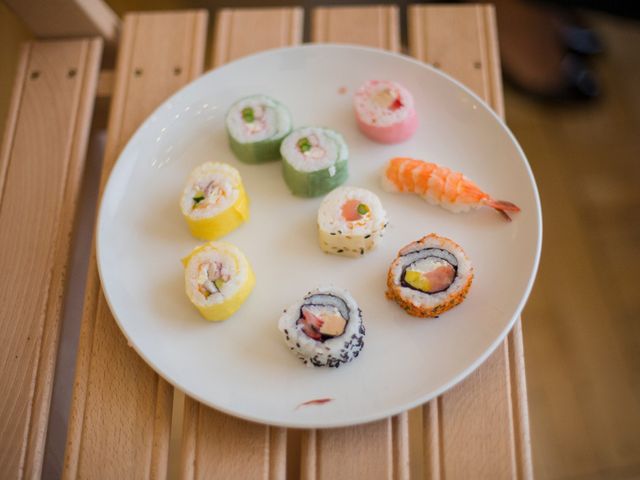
point(122, 412)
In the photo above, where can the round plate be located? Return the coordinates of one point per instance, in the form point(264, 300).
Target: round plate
point(242, 366)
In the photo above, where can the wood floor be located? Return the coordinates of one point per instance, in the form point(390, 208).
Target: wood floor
point(582, 324)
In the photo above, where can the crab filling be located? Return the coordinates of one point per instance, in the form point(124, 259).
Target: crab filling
point(310, 147)
point(210, 193)
point(254, 119)
point(429, 275)
point(389, 99)
point(323, 317)
point(211, 278)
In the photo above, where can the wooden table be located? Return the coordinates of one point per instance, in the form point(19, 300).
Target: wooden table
point(122, 411)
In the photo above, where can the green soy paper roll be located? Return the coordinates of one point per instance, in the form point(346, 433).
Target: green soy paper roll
point(256, 126)
point(315, 161)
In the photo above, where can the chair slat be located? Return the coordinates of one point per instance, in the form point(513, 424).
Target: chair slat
point(41, 165)
point(215, 445)
point(462, 41)
point(379, 449)
point(480, 427)
point(120, 416)
point(368, 26)
point(219, 446)
point(374, 450)
point(269, 27)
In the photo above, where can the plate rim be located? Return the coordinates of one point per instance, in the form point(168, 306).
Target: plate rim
point(309, 424)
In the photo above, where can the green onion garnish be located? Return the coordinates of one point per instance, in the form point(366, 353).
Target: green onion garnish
point(247, 114)
point(363, 209)
point(304, 145)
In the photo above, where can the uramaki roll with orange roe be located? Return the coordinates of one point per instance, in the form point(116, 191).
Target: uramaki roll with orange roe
point(429, 276)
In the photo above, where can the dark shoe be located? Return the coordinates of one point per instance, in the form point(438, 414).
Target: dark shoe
point(576, 34)
point(581, 40)
point(578, 82)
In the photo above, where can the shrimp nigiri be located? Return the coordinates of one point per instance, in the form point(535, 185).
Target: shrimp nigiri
point(440, 186)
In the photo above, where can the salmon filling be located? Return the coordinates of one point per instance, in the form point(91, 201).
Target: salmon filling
point(354, 210)
point(323, 317)
point(429, 275)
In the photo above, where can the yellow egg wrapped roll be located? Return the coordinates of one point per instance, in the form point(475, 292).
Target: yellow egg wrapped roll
point(214, 201)
point(218, 279)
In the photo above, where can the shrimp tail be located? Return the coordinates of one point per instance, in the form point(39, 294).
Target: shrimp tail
point(503, 207)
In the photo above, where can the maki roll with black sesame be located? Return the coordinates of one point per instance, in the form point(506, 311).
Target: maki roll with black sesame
point(429, 276)
point(256, 126)
point(325, 328)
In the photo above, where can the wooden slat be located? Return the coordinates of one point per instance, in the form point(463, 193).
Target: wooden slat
point(480, 427)
point(120, 416)
point(68, 18)
point(269, 27)
point(41, 164)
point(105, 83)
point(369, 26)
point(374, 450)
point(379, 449)
point(461, 40)
point(215, 445)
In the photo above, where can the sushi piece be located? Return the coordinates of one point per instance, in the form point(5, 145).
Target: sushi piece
point(430, 276)
point(351, 221)
point(256, 126)
point(314, 161)
point(385, 111)
point(325, 328)
point(214, 201)
point(440, 186)
point(218, 279)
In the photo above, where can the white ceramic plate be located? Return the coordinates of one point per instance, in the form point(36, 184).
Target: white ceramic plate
point(242, 366)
